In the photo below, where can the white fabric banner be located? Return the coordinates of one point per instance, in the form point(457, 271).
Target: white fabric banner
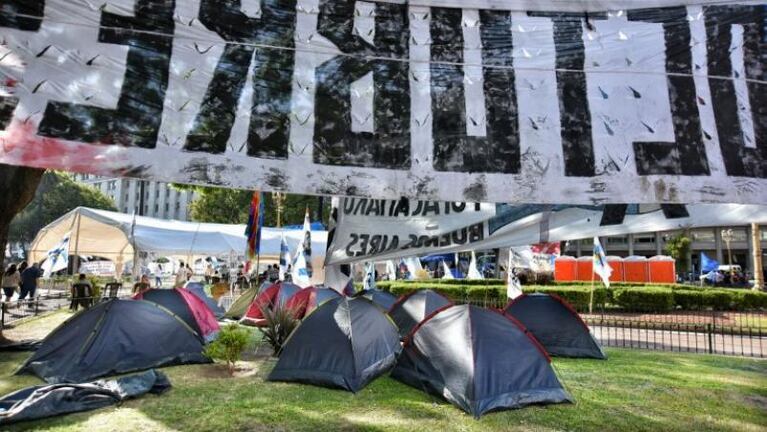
point(410, 228)
point(550, 101)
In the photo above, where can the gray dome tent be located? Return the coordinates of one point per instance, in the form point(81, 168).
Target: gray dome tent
point(478, 359)
point(556, 325)
point(411, 309)
point(113, 338)
point(383, 299)
point(345, 343)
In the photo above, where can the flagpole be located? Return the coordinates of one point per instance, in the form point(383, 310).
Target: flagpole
point(591, 294)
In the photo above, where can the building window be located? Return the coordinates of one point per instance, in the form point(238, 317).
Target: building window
point(166, 207)
point(617, 240)
point(156, 208)
point(125, 209)
point(644, 238)
point(703, 235)
point(738, 235)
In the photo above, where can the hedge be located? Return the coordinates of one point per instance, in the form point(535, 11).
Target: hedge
point(654, 298)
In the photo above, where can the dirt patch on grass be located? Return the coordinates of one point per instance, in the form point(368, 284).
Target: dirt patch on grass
point(243, 369)
point(36, 328)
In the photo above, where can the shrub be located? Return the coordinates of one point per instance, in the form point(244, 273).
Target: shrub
point(577, 296)
point(280, 323)
point(645, 299)
point(689, 299)
point(719, 299)
point(228, 347)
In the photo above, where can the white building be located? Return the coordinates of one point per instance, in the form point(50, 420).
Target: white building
point(160, 200)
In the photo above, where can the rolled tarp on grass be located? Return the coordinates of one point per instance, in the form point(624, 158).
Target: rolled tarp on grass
point(345, 343)
point(51, 400)
point(114, 337)
point(480, 360)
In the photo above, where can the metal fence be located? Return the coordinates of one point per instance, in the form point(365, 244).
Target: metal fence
point(740, 333)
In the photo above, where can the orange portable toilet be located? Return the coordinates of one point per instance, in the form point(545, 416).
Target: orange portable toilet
point(565, 269)
point(585, 272)
point(615, 263)
point(635, 269)
point(662, 269)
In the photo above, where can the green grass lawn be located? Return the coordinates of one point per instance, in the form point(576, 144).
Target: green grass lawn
point(633, 390)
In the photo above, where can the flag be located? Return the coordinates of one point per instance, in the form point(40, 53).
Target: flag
point(414, 267)
point(513, 286)
point(370, 276)
point(284, 257)
point(448, 274)
point(255, 223)
point(307, 244)
point(707, 264)
point(57, 258)
point(600, 265)
point(299, 272)
point(473, 270)
point(391, 270)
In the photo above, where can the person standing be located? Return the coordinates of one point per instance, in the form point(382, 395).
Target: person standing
point(181, 275)
point(158, 276)
point(189, 273)
point(29, 278)
point(11, 281)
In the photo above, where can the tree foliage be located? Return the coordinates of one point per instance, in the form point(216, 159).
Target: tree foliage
point(219, 205)
point(57, 194)
point(678, 247)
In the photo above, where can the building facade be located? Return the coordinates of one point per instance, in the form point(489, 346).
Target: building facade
point(711, 241)
point(160, 199)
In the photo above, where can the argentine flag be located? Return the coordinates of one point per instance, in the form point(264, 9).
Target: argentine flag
point(600, 265)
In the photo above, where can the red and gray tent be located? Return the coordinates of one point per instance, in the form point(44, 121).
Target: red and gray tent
point(383, 299)
point(411, 309)
point(276, 294)
point(345, 343)
point(478, 359)
point(556, 325)
point(186, 306)
point(115, 337)
point(308, 299)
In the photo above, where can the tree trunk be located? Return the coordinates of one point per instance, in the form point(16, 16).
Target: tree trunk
point(17, 187)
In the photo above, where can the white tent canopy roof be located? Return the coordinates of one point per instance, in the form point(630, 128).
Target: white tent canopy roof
point(108, 234)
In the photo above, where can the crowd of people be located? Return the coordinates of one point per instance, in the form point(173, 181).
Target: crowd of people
point(21, 279)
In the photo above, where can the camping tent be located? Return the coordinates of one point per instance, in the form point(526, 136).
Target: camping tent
point(308, 299)
point(345, 343)
point(186, 306)
point(478, 359)
point(382, 299)
point(555, 324)
point(411, 309)
point(112, 338)
point(241, 304)
point(198, 289)
point(116, 236)
point(277, 294)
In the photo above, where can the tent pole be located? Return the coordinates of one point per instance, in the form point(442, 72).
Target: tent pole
point(591, 294)
point(76, 263)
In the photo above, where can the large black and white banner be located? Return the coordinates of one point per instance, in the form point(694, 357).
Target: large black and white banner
point(378, 230)
point(546, 101)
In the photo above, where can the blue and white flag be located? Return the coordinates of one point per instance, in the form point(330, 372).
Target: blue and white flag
point(284, 257)
point(57, 258)
point(448, 274)
point(474, 272)
point(600, 265)
point(370, 276)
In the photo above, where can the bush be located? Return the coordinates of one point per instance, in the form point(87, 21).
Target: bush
point(719, 299)
point(228, 347)
point(577, 296)
point(280, 323)
point(689, 299)
point(645, 299)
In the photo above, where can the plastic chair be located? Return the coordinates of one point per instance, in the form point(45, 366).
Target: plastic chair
point(82, 295)
point(111, 290)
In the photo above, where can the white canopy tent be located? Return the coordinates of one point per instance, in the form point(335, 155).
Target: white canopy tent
point(115, 236)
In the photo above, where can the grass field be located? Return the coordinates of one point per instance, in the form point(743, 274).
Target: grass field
point(632, 391)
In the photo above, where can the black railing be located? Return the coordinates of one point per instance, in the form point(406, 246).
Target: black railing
point(740, 333)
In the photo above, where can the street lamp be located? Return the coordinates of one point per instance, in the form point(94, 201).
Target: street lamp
point(279, 202)
point(728, 236)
